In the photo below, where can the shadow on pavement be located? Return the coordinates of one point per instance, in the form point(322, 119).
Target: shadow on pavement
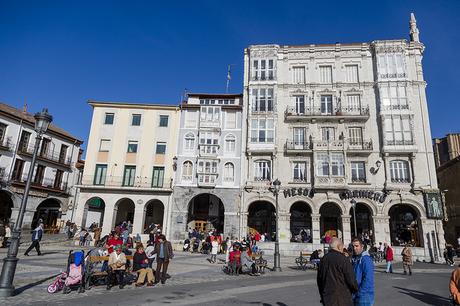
point(427, 298)
point(28, 286)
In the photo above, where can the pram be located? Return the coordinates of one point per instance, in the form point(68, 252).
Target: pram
point(74, 275)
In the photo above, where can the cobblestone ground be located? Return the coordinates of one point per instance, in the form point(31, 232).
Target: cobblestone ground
point(196, 281)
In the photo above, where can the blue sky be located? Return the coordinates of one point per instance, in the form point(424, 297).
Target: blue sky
point(59, 54)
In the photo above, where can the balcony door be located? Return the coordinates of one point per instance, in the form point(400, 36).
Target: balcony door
point(326, 105)
point(300, 105)
point(299, 138)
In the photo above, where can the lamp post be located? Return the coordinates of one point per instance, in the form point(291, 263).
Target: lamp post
point(276, 191)
point(42, 121)
point(353, 204)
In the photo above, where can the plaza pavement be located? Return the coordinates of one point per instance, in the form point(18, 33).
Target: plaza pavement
point(195, 281)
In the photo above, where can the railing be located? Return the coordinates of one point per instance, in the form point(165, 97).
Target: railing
point(395, 107)
point(399, 142)
point(298, 145)
point(360, 145)
point(49, 156)
point(358, 180)
point(6, 144)
point(337, 111)
point(328, 145)
point(400, 180)
point(393, 75)
point(124, 182)
point(48, 183)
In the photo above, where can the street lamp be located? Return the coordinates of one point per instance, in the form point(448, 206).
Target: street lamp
point(353, 204)
point(42, 122)
point(276, 191)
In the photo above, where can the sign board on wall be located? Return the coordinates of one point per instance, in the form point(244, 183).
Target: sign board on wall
point(433, 204)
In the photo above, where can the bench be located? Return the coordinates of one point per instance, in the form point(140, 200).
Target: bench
point(303, 261)
point(92, 276)
point(260, 262)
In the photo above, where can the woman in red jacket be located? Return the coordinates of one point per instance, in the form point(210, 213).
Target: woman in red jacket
point(389, 258)
point(235, 258)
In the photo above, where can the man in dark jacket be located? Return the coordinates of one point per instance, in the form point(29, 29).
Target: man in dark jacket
point(336, 279)
point(36, 238)
point(164, 252)
point(364, 271)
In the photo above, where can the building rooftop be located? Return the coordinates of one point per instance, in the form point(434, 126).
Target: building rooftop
point(132, 104)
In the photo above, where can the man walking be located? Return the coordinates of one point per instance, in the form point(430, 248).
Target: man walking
point(36, 238)
point(336, 279)
point(389, 258)
point(164, 252)
point(407, 259)
point(364, 271)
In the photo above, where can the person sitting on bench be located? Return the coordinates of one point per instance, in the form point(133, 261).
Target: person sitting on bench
point(315, 257)
point(117, 267)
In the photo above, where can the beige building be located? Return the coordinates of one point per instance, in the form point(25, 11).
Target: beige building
point(129, 166)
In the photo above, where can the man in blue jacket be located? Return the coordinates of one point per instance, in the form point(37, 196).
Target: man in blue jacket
point(36, 237)
point(364, 271)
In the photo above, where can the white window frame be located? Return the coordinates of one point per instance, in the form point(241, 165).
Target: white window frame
point(189, 142)
point(134, 143)
point(298, 74)
point(262, 170)
point(327, 104)
point(352, 73)
point(229, 172)
point(400, 171)
point(262, 99)
point(230, 143)
point(263, 69)
point(394, 97)
point(299, 171)
point(398, 130)
point(257, 130)
point(325, 74)
point(357, 168)
point(105, 145)
point(210, 113)
point(184, 175)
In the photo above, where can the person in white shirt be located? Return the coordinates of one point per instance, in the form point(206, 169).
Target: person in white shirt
point(214, 249)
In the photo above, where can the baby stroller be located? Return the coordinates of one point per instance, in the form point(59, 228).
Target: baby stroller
point(74, 275)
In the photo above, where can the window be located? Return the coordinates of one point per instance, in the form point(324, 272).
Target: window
point(337, 165)
point(24, 141)
point(129, 176)
point(327, 133)
point(219, 101)
point(322, 164)
point(109, 118)
point(355, 135)
point(209, 142)
point(262, 170)
point(132, 146)
point(263, 70)
point(358, 172)
point(230, 142)
point(326, 105)
point(354, 104)
point(229, 172)
point(210, 113)
point(100, 174)
point(45, 146)
point(39, 174)
point(300, 105)
point(262, 100)
point(298, 75)
point(207, 172)
point(58, 179)
point(104, 145)
point(299, 169)
point(2, 131)
point(393, 98)
point(189, 142)
point(325, 74)
point(398, 130)
point(164, 120)
point(391, 65)
point(136, 120)
point(187, 171)
point(158, 177)
point(63, 153)
point(17, 170)
point(231, 120)
point(399, 170)
point(352, 73)
point(299, 137)
point(191, 118)
point(161, 148)
point(262, 130)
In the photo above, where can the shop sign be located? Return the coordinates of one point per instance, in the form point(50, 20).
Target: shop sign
point(291, 192)
point(364, 194)
point(434, 209)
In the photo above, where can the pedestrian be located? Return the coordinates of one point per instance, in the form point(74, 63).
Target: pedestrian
point(7, 235)
point(364, 271)
point(336, 279)
point(389, 258)
point(164, 252)
point(37, 235)
point(454, 286)
point(407, 259)
point(214, 250)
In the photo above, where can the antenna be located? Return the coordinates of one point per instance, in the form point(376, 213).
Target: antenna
point(229, 77)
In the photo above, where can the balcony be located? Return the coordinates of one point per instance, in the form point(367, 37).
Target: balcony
point(46, 184)
point(360, 147)
point(399, 146)
point(297, 146)
point(121, 182)
point(51, 157)
point(325, 145)
point(316, 113)
point(207, 150)
point(6, 144)
point(207, 180)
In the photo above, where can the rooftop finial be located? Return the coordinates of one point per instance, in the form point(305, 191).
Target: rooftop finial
point(414, 32)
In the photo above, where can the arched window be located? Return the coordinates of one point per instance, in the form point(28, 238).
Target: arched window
point(399, 170)
point(230, 143)
point(187, 171)
point(189, 142)
point(229, 172)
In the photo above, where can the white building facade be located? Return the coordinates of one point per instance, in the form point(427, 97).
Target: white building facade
point(129, 166)
point(338, 124)
point(207, 186)
point(52, 193)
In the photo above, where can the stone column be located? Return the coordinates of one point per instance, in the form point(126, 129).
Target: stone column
point(382, 229)
point(243, 225)
point(316, 228)
point(346, 230)
point(138, 222)
point(109, 218)
point(284, 227)
point(231, 224)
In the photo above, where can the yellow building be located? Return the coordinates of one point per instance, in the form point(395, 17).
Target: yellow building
point(129, 167)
